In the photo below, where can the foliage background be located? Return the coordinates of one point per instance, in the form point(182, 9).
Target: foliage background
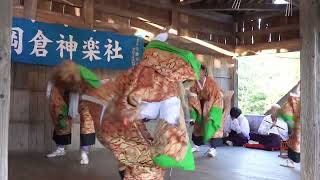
point(264, 79)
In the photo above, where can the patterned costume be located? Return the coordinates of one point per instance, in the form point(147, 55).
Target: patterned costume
point(206, 104)
point(63, 107)
point(116, 105)
point(59, 103)
point(290, 112)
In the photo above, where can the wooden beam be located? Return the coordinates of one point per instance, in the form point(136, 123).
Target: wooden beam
point(52, 17)
point(166, 6)
point(5, 82)
point(18, 11)
point(75, 3)
point(214, 16)
point(30, 9)
point(310, 89)
point(284, 28)
point(243, 7)
point(88, 12)
point(258, 15)
point(129, 14)
point(188, 2)
point(290, 45)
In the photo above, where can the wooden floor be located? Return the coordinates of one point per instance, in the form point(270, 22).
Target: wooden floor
point(231, 164)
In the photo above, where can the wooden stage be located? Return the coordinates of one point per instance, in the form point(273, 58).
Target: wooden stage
point(231, 163)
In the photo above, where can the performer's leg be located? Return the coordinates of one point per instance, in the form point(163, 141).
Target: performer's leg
point(62, 137)
point(197, 141)
point(86, 140)
point(212, 151)
point(87, 134)
point(294, 156)
point(122, 171)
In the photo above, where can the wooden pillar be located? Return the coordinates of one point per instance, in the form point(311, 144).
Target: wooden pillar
point(175, 19)
point(88, 12)
point(310, 89)
point(235, 83)
point(30, 9)
point(5, 60)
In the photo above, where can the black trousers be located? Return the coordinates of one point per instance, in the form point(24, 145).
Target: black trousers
point(269, 141)
point(236, 139)
point(121, 173)
point(85, 139)
point(198, 140)
point(294, 156)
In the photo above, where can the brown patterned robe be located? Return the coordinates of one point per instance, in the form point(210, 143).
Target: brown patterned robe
point(155, 79)
point(292, 108)
point(295, 138)
point(209, 95)
point(62, 130)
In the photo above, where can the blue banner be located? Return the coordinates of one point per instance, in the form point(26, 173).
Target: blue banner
point(50, 44)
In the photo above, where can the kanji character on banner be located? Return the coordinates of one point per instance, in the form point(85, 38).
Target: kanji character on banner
point(17, 39)
point(113, 53)
point(40, 44)
point(70, 46)
point(92, 49)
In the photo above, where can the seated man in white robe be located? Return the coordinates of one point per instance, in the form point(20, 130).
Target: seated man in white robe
point(272, 130)
point(236, 128)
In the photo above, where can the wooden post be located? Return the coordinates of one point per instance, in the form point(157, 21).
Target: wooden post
point(235, 83)
point(310, 89)
point(5, 60)
point(88, 12)
point(30, 9)
point(175, 19)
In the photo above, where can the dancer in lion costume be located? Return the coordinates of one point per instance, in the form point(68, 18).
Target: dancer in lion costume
point(119, 109)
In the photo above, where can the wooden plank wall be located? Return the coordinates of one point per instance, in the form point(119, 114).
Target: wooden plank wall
point(221, 68)
point(30, 123)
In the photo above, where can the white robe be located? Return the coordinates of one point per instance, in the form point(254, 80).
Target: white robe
point(265, 128)
point(239, 125)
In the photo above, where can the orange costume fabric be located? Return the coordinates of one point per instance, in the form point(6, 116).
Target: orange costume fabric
point(202, 101)
point(119, 128)
point(58, 107)
point(291, 113)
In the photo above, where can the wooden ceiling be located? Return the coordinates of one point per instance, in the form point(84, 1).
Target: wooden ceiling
point(212, 21)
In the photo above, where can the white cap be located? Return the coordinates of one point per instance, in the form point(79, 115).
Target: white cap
point(162, 37)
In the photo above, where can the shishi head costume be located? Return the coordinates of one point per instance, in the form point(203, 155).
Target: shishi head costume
point(150, 90)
